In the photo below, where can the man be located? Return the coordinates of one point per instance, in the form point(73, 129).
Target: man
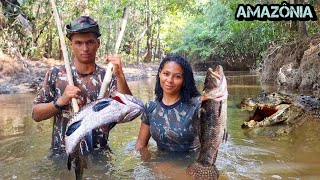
point(54, 98)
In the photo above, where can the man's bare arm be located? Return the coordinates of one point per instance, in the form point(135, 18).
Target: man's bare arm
point(45, 111)
point(123, 86)
point(118, 72)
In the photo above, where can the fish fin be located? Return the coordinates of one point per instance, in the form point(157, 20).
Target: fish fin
point(69, 163)
point(225, 136)
point(200, 171)
point(117, 98)
point(73, 127)
point(88, 143)
point(100, 105)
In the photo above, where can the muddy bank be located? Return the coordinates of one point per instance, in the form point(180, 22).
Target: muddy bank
point(26, 75)
point(295, 65)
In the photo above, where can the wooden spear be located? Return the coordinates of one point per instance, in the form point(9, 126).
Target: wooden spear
point(108, 75)
point(65, 54)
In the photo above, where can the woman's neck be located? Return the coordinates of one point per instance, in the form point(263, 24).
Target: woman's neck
point(84, 68)
point(170, 99)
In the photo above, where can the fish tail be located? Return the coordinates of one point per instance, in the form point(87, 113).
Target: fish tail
point(69, 162)
point(78, 170)
point(80, 163)
point(201, 172)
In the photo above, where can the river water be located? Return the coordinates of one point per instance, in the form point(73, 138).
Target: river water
point(24, 145)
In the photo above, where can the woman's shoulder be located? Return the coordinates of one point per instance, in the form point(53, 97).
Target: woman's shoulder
point(151, 104)
point(196, 101)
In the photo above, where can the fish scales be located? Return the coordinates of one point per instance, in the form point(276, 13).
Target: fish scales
point(119, 109)
point(213, 118)
point(212, 125)
point(101, 112)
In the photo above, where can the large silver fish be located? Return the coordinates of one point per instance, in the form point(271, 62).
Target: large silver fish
point(119, 109)
point(213, 117)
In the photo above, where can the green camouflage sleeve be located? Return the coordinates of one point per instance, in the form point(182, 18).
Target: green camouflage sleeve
point(144, 116)
point(148, 110)
point(46, 92)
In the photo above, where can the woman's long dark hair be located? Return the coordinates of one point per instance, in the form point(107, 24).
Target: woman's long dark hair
point(188, 89)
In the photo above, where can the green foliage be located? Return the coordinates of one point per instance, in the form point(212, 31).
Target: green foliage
point(215, 32)
point(198, 29)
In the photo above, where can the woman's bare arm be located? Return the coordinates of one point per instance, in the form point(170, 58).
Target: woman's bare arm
point(144, 136)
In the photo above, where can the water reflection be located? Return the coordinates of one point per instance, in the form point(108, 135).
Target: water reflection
point(24, 144)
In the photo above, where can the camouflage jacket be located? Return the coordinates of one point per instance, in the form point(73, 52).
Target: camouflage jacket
point(53, 87)
point(174, 127)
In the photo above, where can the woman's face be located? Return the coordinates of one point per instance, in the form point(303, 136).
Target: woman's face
point(171, 78)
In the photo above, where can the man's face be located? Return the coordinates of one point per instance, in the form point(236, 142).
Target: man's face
point(84, 47)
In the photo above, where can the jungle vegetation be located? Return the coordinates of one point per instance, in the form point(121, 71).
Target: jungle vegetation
point(197, 29)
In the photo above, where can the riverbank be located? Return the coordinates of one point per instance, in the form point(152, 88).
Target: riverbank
point(26, 75)
point(294, 65)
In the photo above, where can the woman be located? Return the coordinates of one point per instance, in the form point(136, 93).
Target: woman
point(171, 119)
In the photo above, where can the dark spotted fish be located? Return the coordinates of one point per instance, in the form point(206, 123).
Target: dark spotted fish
point(80, 162)
point(213, 117)
point(119, 109)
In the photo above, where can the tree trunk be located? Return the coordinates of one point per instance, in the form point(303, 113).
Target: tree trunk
point(317, 7)
point(138, 52)
point(159, 43)
point(302, 30)
point(303, 33)
point(156, 52)
point(138, 44)
point(148, 55)
point(152, 40)
point(107, 46)
point(294, 25)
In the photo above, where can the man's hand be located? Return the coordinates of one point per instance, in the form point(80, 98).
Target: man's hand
point(117, 65)
point(69, 93)
point(117, 71)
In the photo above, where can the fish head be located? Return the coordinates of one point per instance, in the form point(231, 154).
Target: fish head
point(135, 105)
point(127, 99)
point(215, 84)
point(119, 109)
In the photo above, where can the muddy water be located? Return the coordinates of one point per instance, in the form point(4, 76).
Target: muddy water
point(24, 145)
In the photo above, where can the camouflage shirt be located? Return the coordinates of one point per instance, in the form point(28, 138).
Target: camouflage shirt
point(174, 127)
point(53, 87)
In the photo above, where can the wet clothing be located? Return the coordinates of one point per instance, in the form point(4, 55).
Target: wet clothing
point(53, 87)
point(174, 127)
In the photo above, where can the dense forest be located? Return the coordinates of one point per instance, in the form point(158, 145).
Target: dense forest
point(204, 30)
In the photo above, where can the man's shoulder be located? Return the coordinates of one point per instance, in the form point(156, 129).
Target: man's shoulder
point(99, 68)
point(58, 68)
